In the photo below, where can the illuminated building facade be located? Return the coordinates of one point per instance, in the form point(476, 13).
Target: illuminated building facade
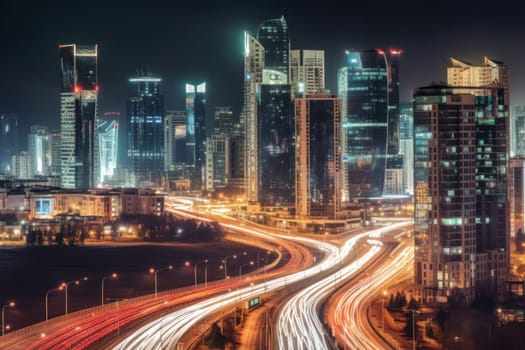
point(406, 145)
point(21, 165)
point(39, 149)
point(253, 69)
point(518, 118)
point(272, 34)
point(196, 133)
point(175, 139)
point(8, 140)
point(318, 157)
point(78, 111)
point(107, 138)
point(369, 88)
point(307, 73)
point(56, 151)
point(146, 131)
point(217, 161)
point(461, 211)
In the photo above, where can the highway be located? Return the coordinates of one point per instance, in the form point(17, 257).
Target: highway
point(347, 312)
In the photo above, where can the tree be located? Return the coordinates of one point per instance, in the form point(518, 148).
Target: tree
point(391, 303)
point(441, 317)
point(413, 304)
point(411, 325)
point(216, 339)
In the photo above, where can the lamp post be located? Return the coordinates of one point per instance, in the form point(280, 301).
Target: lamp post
point(205, 261)
point(240, 267)
point(66, 285)
point(113, 275)
point(10, 304)
point(383, 311)
point(47, 293)
point(226, 262)
point(155, 272)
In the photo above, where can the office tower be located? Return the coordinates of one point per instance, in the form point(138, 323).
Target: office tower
point(253, 69)
point(272, 34)
point(406, 145)
point(516, 180)
point(56, 151)
point(78, 110)
point(39, 150)
point(223, 120)
point(175, 139)
point(318, 156)
point(518, 118)
point(394, 185)
point(306, 72)
point(21, 165)
point(217, 161)
point(237, 160)
point(489, 72)
point(107, 138)
point(196, 133)
point(8, 140)
point(461, 212)
point(146, 131)
point(369, 88)
point(276, 148)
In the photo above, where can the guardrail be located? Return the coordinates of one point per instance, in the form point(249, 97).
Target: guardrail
point(394, 345)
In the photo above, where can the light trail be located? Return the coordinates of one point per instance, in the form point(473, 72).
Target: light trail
point(175, 325)
point(350, 317)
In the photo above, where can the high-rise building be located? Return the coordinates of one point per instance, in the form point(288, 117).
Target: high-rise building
point(21, 165)
point(516, 180)
point(318, 157)
point(39, 150)
point(146, 131)
point(518, 118)
point(175, 139)
point(107, 138)
point(217, 161)
point(272, 34)
point(369, 88)
point(461, 211)
point(406, 145)
point(490, 72)
point(196, 133)
point(8, 140)
point(223, 120)
point(307, 74)
point(275, 144)
point(78, 110)
point(56, 151)
point(253, 69)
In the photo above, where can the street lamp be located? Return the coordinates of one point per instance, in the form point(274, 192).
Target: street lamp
point(226, 262)
point(113, 275)
point(205, 261)
point(240, 267)
point(66, 285)
point(383, 310)
point(154, 272)
point(47, 293)
point(10, 304)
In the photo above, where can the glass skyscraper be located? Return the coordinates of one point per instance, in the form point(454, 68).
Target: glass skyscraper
point(146, 131)
point(369, 88)
point(196, 132)
point(318, 156)
point(175, 139)
point(107, 137)
point(78, 110)
point(39, 149)
point(273, 36)
point(8, 140)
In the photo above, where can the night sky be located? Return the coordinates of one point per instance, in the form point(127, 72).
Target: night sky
point(203, 42)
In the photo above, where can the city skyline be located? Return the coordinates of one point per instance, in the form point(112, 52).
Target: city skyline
point(221, 34)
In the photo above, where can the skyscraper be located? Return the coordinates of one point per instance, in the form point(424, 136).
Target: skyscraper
point(107, 137)
point(318, 174)
point(461, 211)
point(307, 74)
point(146, 131)
point(56, 151)
point(21, 165)
point(406, 145)
point(217, 161)
point(175, 138)
point(253, 70)
point(8, 140)
point(272, 34)
point(78, 110)
point(518, 119)
point(39, 150)
point(369, 88)
point(196, 133)
point(223, 120)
